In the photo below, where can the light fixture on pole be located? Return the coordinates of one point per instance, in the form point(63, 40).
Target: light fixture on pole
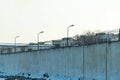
point(38, 38)
point(68, 32)
point(15, 41)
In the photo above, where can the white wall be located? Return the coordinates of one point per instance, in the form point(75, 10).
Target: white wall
point(99, 62)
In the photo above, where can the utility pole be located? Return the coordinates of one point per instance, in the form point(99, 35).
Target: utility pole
point(15, 41)
point(38, 38)
point(68, 32)
point(119, 35)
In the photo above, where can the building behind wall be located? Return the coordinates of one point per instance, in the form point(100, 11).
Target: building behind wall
point(63, 42)
point(83, 40)
point(97, 38)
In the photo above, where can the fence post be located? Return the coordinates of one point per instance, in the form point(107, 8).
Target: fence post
point(119, 35)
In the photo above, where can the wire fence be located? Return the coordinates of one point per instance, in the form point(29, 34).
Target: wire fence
point(101, 37)
point(87, 39)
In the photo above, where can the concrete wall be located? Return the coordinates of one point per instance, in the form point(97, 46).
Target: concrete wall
point(91, 62)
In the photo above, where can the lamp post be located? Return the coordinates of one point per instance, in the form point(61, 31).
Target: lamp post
point(68, 32)
point(15, 41)
point(38, 38)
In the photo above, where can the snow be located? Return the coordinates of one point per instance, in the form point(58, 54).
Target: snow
point(2, 78)
point(57, 77)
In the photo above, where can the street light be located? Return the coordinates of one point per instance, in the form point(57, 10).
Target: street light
point(15, 41)
point(68, 32)
point(38, 37)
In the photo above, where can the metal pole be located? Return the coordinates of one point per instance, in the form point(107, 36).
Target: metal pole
point(38, 38)
point(83, 57)
point(119, 35)
point(68, 32)
point(15, 44)
point(15, 41)
point(106, 56)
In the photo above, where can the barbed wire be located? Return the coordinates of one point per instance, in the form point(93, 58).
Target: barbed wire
point(110, 31)
point(98, 37)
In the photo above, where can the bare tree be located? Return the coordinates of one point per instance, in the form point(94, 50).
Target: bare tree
point(77, 37)
point(89, 33)
point(89, 37)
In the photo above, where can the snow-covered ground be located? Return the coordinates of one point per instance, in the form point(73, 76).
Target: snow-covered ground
point(2, 78)
point(39, 76)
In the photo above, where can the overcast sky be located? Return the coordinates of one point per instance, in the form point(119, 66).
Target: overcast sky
point(28, 17)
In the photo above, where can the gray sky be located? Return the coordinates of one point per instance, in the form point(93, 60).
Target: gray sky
point(28, 17)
